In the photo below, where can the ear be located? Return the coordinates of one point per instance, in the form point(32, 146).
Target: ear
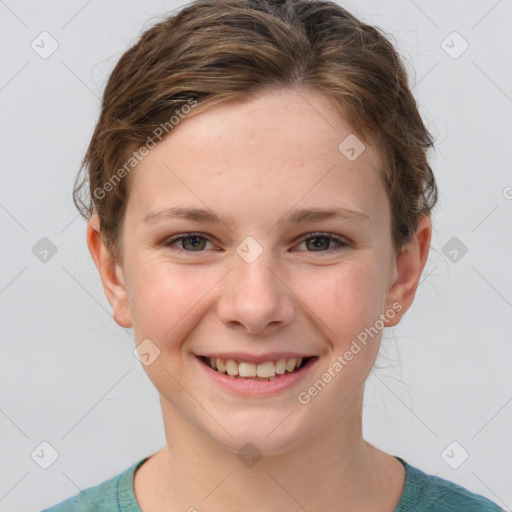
point(111, 274)
point(407, 270)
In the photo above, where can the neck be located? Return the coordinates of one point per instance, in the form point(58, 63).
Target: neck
point(333, 470)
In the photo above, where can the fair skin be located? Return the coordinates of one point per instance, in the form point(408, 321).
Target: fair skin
point(252, 164)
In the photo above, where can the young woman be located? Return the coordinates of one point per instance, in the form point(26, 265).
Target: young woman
point(259, 211)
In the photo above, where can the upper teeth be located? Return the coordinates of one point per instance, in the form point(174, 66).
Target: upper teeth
point(244, 369)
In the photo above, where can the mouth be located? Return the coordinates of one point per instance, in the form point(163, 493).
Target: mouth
point(264, 371)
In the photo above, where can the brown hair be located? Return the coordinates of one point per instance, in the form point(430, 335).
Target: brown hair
point(213, 51)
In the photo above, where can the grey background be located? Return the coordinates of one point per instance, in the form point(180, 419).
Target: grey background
point(68, 376)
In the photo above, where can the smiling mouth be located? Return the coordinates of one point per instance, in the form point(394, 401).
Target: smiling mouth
point(267, 371)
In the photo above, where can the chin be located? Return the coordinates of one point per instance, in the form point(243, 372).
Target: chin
point(257, 437)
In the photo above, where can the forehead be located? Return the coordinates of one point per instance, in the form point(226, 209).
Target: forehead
point(260, 156)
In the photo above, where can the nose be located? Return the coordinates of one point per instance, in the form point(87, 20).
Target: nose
point(255, 298)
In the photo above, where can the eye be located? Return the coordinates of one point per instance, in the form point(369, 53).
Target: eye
point(194, 242)
point(321, 242)
point(190, 242)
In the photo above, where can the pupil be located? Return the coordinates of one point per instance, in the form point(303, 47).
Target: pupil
point(325, 241)
point(193, 244)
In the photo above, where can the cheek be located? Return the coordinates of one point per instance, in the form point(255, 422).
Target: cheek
point(167, 306)
point(347, 300)
point(166, 300)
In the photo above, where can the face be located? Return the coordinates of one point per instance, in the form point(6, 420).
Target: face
point(254, 277)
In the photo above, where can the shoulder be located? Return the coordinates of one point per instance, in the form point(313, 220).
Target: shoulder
point(428, 493)
point(112, 495)
point(93, 499)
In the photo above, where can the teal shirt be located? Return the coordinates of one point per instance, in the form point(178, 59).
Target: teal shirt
point(422, 493)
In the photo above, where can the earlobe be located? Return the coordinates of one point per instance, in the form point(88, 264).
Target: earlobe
point(111, 274)
point(409, 266)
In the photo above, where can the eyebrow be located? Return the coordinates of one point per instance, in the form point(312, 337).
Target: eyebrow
point(294, 217)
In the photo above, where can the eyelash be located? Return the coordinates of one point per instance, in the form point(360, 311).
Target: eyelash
point(342, 243)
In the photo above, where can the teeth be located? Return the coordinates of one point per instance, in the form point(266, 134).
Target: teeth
point(268, 369)
point(221, 365)
point(290, 364)
point(281, 366)
point(232, 367)
point(247, 369)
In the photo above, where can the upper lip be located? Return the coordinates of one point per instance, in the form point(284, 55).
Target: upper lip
point(254, 358)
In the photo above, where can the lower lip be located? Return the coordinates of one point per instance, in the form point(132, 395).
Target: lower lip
point(249, 387)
